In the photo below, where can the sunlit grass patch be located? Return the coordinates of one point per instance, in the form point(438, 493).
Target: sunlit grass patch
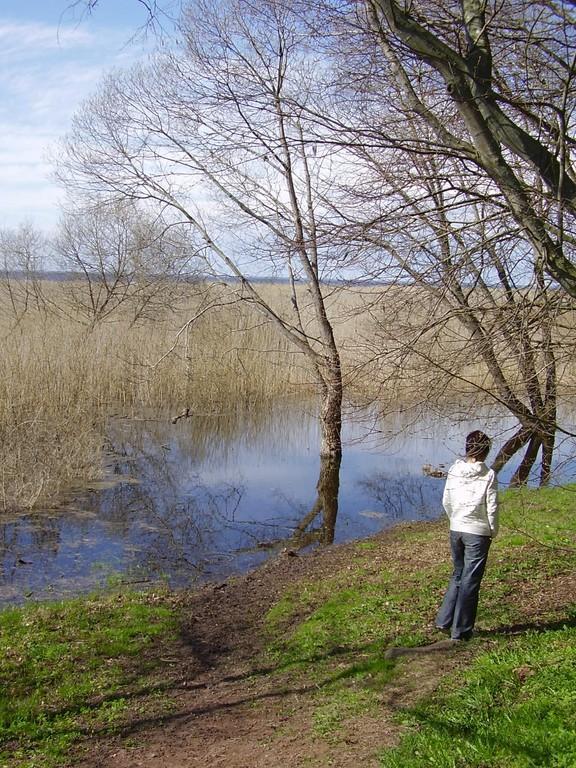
point(544, 515)
point(67, 670)
point(335, 631)
point(352, 610)
point(331, 714)
point(537, 543)
point(367, 545)
point(514, 707)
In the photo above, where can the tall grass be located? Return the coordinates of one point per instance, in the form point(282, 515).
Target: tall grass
point(61, 377)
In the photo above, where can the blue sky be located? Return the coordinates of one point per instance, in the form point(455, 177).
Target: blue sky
point(51, 59)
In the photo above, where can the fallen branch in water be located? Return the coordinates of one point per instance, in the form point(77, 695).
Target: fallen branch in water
point(184, 415)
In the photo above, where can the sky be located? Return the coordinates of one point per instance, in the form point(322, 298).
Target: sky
point(51, 59)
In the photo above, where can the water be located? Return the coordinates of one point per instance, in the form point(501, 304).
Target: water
point(214, 495)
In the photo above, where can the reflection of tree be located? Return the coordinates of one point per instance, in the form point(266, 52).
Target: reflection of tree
point(325, 507)
point(170, 520)
point(178, 534)
point(181, 537)
point(402, 498)
point(46, 534)
point(180, 520)
point(326, 504)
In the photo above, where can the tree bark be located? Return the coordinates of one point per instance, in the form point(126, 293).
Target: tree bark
point(511, 447)
point(520, 477)
point(331, 409)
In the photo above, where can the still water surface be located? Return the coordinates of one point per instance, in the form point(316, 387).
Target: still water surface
point(214, 495)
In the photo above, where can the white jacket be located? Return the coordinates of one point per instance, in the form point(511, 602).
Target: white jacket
point(470, 498)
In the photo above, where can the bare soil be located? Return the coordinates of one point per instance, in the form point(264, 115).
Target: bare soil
point(226, 711)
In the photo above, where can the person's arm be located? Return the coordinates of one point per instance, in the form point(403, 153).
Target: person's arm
point(447, 496)
point(492, 503)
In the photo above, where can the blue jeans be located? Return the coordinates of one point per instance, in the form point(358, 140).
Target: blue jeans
point(458, 610)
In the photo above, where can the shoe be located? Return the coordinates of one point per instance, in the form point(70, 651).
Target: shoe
point(463, 638)
point(444, 630)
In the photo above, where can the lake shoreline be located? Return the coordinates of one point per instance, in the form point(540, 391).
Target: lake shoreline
point(289, 659)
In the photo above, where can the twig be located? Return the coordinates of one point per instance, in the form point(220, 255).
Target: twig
point(541, 543)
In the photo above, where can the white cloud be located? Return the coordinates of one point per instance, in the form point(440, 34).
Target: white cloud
point(46, 71)
point(16, 39)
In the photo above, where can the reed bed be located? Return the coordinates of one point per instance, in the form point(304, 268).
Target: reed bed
point(62, 374)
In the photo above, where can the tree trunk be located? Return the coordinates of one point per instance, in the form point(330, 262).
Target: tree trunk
point(331, 410)
point(512, 446)
point(548, 441)
point(521, 475)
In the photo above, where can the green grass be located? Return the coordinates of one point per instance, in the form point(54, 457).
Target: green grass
point(336, 617)
point(331, 713)
point(68, 670)
point(514, 708)
point(334, 632)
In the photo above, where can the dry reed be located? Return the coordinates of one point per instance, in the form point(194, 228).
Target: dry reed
point(61, 377)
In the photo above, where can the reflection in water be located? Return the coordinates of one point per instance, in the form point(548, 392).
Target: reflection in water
point(396, 495)
point(215, 494)
point(322, 514)
point(326, 505)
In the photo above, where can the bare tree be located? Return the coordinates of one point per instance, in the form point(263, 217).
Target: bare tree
point(120, 257)
point(495, 82)
point(467, 300)
point(456, 174)
point(211, 135)
point(24, 253)
point(159, 15)
point(488, 91)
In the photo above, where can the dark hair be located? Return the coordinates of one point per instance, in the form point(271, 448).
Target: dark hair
point(477, 445)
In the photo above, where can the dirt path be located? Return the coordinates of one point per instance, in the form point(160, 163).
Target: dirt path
point(226, 712)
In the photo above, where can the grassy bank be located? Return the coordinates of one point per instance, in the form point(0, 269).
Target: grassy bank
point(514, 706)
point(509, 700)
point(70, 670)
point(80, 670)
